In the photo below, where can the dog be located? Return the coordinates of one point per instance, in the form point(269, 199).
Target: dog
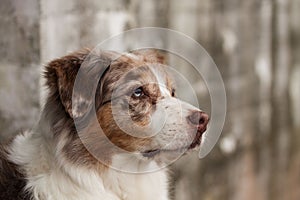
point(121, 150)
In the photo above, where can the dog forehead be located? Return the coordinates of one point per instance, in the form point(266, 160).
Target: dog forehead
point(162, 78)
point(149, 75)
point(132, 67)
point(128, 72)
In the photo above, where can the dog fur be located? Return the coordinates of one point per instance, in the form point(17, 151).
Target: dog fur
point(51, 161)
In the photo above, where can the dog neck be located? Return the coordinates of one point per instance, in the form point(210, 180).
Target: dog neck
point(52, 176)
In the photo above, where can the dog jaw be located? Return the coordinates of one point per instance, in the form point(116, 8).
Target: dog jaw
point(154, 124)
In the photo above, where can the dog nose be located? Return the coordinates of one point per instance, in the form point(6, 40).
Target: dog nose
point(199, 118)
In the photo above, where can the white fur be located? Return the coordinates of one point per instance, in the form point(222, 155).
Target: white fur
point(51, 177)
point(160, 81)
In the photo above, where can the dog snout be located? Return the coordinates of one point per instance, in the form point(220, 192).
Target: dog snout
point(199, 119)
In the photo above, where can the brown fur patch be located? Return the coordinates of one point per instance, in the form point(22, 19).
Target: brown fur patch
point(151, 56)
point(60, 75)
point(115, 135)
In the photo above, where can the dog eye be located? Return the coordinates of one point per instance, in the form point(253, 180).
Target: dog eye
point(138, 92)
point(173, 93)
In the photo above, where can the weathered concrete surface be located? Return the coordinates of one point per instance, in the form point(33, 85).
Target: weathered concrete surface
point(19, 71)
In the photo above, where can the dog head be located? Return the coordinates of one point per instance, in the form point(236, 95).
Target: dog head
point(135, 104)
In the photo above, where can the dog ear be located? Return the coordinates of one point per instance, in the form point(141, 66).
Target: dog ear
point(61, 76)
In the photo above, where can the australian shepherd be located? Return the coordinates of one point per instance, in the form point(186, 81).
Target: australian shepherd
point(106, 134)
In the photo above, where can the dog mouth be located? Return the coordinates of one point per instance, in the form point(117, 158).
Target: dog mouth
point(154, 152)
point(196, 142)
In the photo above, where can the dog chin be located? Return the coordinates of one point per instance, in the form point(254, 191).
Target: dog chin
point(175, 151)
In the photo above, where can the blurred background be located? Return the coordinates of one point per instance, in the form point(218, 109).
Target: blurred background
point(255, 44)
